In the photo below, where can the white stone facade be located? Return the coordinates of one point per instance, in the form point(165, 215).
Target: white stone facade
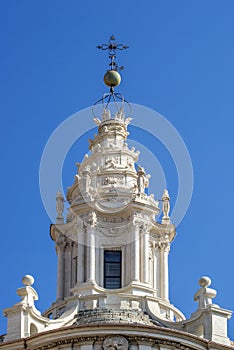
point(112, 279)
point(110, 211)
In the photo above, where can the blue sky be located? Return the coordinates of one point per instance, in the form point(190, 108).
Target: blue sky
point(180, 63)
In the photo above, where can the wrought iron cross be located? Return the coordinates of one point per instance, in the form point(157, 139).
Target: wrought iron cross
point(112, 47)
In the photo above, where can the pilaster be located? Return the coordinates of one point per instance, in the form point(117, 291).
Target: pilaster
point(68, 267)
point(145, 250)
point(90, 247)
point(60, 249)
point(161, 266)
point(136, 252)
point(80, 254)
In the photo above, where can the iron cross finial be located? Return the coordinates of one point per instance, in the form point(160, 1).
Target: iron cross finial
point(112, 47)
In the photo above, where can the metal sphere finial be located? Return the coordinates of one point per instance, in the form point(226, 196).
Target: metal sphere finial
point(112, 77)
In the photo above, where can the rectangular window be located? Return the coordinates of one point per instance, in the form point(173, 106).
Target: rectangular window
point(112, 269)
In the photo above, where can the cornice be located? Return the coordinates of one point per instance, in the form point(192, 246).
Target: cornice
point(135, 334)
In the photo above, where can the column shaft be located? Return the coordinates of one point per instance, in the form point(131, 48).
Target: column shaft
point(145, 257)
point(60, 272)
point(92, 255)
point(158, 271)
point(101, 266)
point(97, 265)
point(165, 282)
point(128, 265)
point(90, 258)
point(155, 270)
point(80, 262)
point(136, 254)
point(67, 269)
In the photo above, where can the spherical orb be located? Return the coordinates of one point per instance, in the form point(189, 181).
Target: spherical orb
point(204, 281)
point(112, 78)
point(28, 280)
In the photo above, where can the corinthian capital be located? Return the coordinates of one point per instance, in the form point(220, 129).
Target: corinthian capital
point(145, 227)
point(162, 246)
point(60, 243)
point(92, 219)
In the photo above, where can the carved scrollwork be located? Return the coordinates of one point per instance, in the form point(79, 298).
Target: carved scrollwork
point(112, 180)
point(70, 215)
point(111, 163)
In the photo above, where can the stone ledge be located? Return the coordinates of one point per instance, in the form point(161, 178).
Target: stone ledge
point(105, 316)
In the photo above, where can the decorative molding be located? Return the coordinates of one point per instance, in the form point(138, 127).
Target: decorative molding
point(130, 340)
point(158, 342)
point(67, 341)
point(115, 219)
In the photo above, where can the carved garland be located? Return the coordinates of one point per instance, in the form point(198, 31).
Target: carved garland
point(155, 342)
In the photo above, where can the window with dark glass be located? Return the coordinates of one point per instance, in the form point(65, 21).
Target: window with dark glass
point(112, 269)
